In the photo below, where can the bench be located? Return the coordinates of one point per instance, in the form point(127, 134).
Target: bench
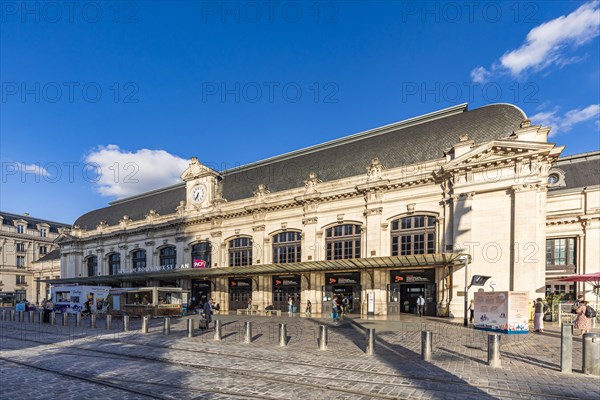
point(272, 312)
point(245, 311)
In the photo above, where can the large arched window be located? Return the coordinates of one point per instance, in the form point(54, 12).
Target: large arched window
point(201, 253)
point(168, 256)
point(413, 235)
point(138, 259)
point(286, 247)
point(92, 266)
point(114, 263)
point(342, 242)
point(240, 252)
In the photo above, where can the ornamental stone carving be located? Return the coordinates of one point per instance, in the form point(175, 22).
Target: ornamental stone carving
point(311, 183)
point(374, 171)
point(261, 193)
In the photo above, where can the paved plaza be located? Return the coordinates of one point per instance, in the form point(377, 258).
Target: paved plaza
point(67, 362)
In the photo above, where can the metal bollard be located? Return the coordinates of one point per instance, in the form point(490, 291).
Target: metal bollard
point(190, 327)
point(167, 326)
point(31, 316)
point(65, 319)
point(52, 318)
point(3, 315)
point(78, 320)
point(426, 345)
point(218, 330)
point(12, 315)
point(125, 323)
point(21, 316)
point(566, 348)
point(591, 354)
point(370, 341)
point(144, 324)
point(108, 321)
point(248, 335)
point(282, 334)
point(494, 350)
point(92, 320)
point(323, 337)
point(40, 317)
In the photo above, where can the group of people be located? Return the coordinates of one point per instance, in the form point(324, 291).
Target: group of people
point(583, 321)
point(339, 306)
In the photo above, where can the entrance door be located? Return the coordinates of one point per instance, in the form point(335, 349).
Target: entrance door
point(281, 294)
point(200, 292)
point(349, 292)
point(394, 300)
point(238, 298)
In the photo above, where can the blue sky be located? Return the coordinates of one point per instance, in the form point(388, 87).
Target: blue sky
point(138, 87)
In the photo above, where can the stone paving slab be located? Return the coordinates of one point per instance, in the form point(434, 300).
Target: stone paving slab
point(458, 368)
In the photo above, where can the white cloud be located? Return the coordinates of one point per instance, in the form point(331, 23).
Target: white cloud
point(566, 122)
point(32, 169)
point(548, 43)
point(123, 173)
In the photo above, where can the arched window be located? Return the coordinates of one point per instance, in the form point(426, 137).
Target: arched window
point(342, 242)
point(201, 252)
point(168, 256)
point(92, 266)
point(286, 247)
point(413, 235)
point(240, 252)
point(138, 259)
point(114, 263)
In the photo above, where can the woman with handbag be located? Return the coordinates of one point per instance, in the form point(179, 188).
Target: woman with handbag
point(582, 322)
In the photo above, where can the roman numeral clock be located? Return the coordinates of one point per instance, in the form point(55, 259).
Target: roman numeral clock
point(201, 184)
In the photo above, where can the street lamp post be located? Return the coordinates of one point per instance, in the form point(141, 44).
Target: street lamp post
point(465, 260)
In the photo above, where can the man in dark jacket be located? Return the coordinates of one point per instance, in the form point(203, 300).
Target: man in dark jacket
point(208, 312)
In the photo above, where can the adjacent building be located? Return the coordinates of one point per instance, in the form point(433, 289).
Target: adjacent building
point(413, 208)
point(24, 240)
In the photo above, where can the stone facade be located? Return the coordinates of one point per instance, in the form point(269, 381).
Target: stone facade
point(23, 241)
point(487, 199)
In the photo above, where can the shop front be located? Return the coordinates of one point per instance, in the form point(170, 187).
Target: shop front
point(406, 287)
point(240, 291)
point(344, 286)
point(285, 287)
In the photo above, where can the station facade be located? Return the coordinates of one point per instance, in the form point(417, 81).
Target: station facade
point(380, 217)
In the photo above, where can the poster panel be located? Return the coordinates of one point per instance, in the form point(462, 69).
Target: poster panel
point(504, 312)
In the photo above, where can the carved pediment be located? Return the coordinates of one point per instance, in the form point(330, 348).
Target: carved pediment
point(197, 170)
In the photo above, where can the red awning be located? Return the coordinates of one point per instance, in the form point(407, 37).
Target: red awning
point(595, 277)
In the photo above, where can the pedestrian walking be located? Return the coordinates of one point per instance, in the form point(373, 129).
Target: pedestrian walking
point(208, 313)
point(308, 308)
point(582, 322)
point(538, 318)
point(334, 310)
point(471, 311)
point(249, 306)
point(420, 305)
point(290, 306)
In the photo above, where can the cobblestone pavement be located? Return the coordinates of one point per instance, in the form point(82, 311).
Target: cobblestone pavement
point(67, 362)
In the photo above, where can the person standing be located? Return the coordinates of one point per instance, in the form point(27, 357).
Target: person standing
point(538, 318)
point(249, 306)
point(208, 313)
point(334, 310)
point(582, 322)
point(420, 305)
point(471, 311)
point(290, 306)
point(308, 308)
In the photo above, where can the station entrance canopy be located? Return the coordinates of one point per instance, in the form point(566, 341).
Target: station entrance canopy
point(360, 264)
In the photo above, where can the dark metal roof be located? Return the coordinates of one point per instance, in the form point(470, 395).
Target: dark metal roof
point(53, 255)
point(581, 170)
point(361, 264)
point(407, 142)
point(164, 201)
point(8, 219)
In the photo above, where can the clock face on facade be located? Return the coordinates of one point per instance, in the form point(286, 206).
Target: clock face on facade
point(198, 193)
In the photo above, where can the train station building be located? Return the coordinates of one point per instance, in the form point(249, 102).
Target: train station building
point(380, 217)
